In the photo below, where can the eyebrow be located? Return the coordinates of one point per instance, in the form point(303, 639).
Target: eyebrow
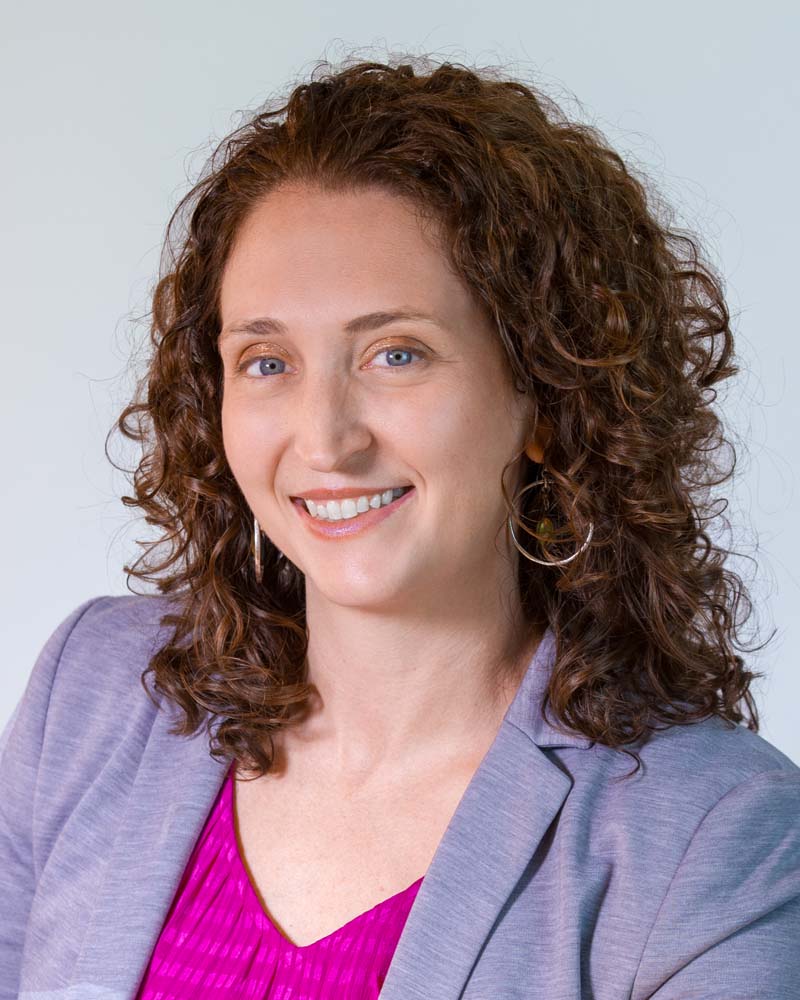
point(265, 325)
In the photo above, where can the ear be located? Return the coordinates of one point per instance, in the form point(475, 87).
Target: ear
point(537, 443)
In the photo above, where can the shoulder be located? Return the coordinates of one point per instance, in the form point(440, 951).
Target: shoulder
point(88, 672)
point(740, 793)
point(109, 646)
point(705, 791)
point(704, 845)
point(708, 779)
point(715, 746)
point(726, 833)
point(103, 646)
point(704, 761)
point(127, 625)
point(84, 706)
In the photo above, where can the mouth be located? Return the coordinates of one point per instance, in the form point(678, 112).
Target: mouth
point(365, 493)
point(338, 527)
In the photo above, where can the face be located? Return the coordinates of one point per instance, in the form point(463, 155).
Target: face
point(314, 400)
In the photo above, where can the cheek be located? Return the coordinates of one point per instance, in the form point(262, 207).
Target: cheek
point(452, 424)
point(245, 440)
point(469, 446)
point(459, 431)
point(438, 417)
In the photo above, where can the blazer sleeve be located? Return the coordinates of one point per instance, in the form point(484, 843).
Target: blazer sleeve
point(729, 925)
point(20, 749)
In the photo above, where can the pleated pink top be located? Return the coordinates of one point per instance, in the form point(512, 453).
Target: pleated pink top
point(218, 942)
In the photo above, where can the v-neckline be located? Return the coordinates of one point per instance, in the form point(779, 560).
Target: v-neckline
point(253, 895)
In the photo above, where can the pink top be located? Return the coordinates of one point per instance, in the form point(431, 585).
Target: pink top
point(218, 942)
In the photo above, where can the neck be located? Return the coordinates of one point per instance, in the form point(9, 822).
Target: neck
point(411, 690)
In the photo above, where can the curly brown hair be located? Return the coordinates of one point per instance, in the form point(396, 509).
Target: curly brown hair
point(610, 320)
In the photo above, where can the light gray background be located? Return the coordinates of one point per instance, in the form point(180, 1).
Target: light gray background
point(108, 111)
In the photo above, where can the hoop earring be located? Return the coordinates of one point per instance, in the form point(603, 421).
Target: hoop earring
point(546, 523)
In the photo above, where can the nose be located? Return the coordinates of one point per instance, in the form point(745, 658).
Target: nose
point(329, 424)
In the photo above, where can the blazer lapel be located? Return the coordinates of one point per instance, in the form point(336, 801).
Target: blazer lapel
point(506, 810)
point(175, 786)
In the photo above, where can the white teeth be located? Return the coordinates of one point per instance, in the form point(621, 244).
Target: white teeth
point(335, 510)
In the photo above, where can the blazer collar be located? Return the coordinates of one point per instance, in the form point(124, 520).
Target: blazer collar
point(509, 804)
point(525, 711)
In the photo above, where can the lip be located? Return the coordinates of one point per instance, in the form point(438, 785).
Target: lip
point(353, 525)
point(345, 494)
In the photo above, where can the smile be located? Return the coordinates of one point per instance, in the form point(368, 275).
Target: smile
point(352, 517)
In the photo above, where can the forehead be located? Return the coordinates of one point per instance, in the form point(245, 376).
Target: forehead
point(338, 253)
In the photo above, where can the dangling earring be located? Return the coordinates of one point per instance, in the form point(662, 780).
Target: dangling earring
point(545, 527)
point(258, 552)
point(256, 548)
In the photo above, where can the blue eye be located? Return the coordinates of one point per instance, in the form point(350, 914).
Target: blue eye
point(266, 365)
point(394, 352)
point(397, 352)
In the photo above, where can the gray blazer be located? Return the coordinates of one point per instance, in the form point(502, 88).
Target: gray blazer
point(551, 882)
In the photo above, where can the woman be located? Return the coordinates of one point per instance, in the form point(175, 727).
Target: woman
point(427, 428)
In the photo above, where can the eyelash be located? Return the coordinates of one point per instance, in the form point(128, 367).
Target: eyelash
point(242, 368)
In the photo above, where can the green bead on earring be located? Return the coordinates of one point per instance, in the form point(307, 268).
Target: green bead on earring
point(545, 528)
